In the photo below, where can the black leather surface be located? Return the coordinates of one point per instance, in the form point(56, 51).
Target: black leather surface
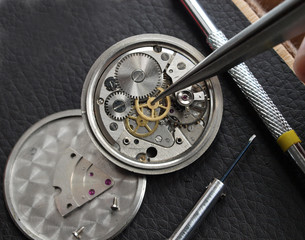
point(46, 50)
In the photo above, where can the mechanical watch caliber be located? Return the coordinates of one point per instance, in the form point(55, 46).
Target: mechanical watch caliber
point(127, 127)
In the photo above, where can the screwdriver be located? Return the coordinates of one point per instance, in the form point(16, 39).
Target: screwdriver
point(283, 15)
point(212, 194)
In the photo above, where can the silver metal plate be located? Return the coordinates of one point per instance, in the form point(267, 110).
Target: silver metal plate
point(29, 191)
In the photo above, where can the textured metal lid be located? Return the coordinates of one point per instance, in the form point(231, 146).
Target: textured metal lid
point(103, 198)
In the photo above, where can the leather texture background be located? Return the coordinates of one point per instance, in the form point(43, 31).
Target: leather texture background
point(46, 50)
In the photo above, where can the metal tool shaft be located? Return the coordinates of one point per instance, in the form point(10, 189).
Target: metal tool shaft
point(248, 84)
point(214, 191)
point(200, 210)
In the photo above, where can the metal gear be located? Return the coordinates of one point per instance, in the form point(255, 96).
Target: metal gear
point(141, 125)
point(138, 75)
point(163, 105)
point(167, 81)
point(118, 105)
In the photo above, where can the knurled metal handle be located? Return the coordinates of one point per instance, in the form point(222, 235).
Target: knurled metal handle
point(253, 91)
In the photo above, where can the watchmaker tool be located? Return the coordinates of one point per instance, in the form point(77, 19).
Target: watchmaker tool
point(59, 186)
point(205, 203)
point(132, 132)
point(283, 22)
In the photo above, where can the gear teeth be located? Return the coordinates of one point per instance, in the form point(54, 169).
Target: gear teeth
point(115, 115)
point(125, 91)
point(166, 81)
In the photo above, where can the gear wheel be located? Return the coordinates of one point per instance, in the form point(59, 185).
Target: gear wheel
point(138, 75)
point(153, 108)
point(142, 128)
point(118, 105)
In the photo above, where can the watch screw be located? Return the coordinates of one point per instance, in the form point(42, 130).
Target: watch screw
point(77, 232)
point(115, 204)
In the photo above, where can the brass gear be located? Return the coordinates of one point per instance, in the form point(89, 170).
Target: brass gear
point(153, 108)
point(141, 123)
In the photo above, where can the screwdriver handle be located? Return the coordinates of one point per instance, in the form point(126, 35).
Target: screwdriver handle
point(199, 212)
point(263, 105)
point(252, 89)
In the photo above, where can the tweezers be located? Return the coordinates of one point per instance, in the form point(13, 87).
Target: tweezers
point(284, 22)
